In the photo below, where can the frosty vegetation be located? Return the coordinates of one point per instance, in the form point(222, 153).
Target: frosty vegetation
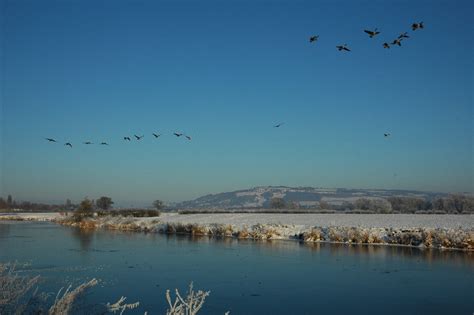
point(19, 295)
point(455, 238)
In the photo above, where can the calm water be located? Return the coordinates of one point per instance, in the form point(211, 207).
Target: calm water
point(244, 277)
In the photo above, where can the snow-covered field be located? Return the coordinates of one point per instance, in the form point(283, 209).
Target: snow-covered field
point(346, 220)
point(400, 221)
point(31, 216)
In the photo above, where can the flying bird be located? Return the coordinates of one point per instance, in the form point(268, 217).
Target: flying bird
point(386, 45)
point(177, 134)
point(68, 144)
point(87, 142)
point(50, 139)
point(372, 33)
point(397, 41)
point(416, 26)
point(386, 135)
point(127, 138)
point(313, 38)
point(188, 137)
point(403, 35)
point(104, 143)
point(156, 135)
point(278, 125)
point(343, 47)
point(139, 137)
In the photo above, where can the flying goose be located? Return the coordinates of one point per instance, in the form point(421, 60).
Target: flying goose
point(188, 137)
point(397, 41)
point(343, 47)
point(87, 142)
point(156, 135)
point(127, 138)
point(372, 33)
point(313, 38)
point(177, 134)
point(278, 125)
point(50, 139)
point(386, 134)
point(68, 144)
point(104, 143)
point(386, 45)
point(139, 137)
point(416, 26)
point(403, 35)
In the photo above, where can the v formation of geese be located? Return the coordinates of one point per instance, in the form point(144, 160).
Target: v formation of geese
point(372, 33)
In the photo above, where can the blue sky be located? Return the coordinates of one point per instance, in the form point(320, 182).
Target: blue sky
point(224, 72)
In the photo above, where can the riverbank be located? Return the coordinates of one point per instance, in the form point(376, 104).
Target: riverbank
point(424, 231)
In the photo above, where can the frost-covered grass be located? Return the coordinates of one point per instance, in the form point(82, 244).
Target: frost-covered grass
point(456, 238)
point(189, 305)
point(17, 296)
point(14, 288)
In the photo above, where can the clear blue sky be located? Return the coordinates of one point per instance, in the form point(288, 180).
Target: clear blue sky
point(224, 72)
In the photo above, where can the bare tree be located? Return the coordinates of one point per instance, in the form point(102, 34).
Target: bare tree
point(104, 203)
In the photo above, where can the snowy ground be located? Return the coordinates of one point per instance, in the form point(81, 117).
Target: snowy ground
point(400, 221)
point(31, 216)
point(355, 220)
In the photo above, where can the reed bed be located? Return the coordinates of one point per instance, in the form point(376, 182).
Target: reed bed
point(462, 239)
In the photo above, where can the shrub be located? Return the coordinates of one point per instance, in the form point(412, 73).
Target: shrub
point(84, 210)
point(314, 235)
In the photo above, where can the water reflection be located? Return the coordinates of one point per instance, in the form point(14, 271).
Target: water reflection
point(4, 231)
point(84, 237)
point(388, 251)
point(337, 250)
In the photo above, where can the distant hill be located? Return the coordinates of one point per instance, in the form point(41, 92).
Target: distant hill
point(259, 197)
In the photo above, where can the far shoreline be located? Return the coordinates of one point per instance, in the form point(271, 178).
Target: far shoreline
point(441, 231)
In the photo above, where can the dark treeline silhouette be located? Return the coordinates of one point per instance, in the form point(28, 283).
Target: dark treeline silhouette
point(10, 204)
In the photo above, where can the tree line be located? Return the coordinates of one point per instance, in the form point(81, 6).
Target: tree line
point(103, 203)
point(10, 204)
point(454, 203)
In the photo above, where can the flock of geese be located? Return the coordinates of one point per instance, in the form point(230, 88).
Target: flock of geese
point(126, 138)
point(312, 39)
point(375, 32)
point(157, 135)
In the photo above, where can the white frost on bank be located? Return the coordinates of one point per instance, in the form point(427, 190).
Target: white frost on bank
point(28, 216)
